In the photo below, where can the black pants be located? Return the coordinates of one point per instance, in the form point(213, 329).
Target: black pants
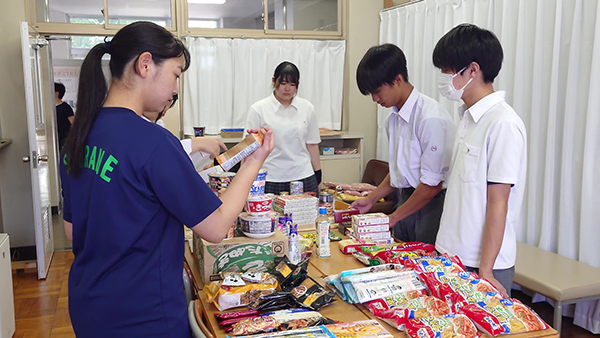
point(310, 184)
point(423, 225)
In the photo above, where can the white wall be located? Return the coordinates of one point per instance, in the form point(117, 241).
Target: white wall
point(15, 182)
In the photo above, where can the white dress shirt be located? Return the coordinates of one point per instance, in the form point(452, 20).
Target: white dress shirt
point(490, 146)
point(294, 127)
point(420, 134)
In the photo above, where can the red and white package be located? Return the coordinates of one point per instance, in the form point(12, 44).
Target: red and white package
point(505, 316)
point(443, 263)
point(394, 301)
point(449, 326)
point(415, 308)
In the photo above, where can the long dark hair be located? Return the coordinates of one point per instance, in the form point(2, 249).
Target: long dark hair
point(127, 45)
point(287, 72)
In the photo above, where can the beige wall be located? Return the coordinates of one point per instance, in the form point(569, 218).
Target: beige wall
point(318, 14)
point(15, 181)
point(360, 112)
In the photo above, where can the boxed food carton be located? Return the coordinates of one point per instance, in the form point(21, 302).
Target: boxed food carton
point(370, 219)
point(241, 150)
point(232, 132)
point(238, 254)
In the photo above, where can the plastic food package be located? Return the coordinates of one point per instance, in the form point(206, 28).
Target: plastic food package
point(312, 295)
point(362, 288)
point(289, 275)
point(449, 326)
point(227, 297)
point(460, 289)
point(234, 314)
point(394, 301)
point(274, 301)
point(443, 263)
point(310, 332)
point(505, 316)
point(362, 329)
point(255, 325)
point(427, 306)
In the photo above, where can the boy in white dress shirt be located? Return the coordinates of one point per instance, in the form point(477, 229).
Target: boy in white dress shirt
point(489, 162)
point(421, 134)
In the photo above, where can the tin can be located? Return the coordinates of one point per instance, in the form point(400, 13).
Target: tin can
point(326, 201)
point(219, 182)
point(296, 188)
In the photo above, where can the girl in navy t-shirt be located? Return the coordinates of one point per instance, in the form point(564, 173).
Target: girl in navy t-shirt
point(128, 188)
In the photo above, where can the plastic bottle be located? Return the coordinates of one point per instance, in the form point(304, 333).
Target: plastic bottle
point(323, 228)
point(295, 255)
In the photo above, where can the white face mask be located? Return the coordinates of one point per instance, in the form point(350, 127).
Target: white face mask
point(447, 89)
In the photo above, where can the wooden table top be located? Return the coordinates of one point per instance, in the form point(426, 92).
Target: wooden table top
point(338, 310)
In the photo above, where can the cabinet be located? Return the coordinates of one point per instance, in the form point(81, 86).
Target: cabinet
point(7, 305)
point(346, 168)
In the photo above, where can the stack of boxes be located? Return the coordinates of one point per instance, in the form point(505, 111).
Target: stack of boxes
point(302, 207)
point(374, 227)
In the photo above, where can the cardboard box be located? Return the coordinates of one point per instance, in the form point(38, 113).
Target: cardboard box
point(328, 151)
point(238, 254)
point(370, 219)
point(232, 132)
point(241, 150)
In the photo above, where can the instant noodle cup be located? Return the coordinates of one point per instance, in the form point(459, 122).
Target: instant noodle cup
point(258, 186)
point(259, 205)
point(259, 226)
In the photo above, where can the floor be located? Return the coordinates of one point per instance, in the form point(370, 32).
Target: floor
point(41, 307)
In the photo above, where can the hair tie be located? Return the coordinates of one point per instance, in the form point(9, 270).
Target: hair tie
point(107, 45)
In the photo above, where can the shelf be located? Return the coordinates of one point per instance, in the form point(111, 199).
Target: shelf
point(341, 137)
point(339, 157)
point(5, 142)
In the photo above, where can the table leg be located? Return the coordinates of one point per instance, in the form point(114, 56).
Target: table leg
point(557, 315)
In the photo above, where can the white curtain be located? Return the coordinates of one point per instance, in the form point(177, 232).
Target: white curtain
point(227, 76)
point(551, 74)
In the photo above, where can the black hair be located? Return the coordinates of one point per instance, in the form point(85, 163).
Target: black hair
point(126, 46)
point(468, 43)
point(380, 65)
point(60, 89)
point(287, 72)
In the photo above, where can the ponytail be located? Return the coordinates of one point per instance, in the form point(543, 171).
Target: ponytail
point(127, 45)
point(90, 96)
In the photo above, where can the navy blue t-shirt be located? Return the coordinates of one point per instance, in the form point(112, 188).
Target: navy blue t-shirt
point(128, 207)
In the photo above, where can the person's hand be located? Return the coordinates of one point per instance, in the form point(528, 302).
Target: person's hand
point(211, 145)
point(490, 278)
point(261, 154)
point(362, 204)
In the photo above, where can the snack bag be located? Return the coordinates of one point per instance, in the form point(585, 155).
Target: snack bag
point(443, 263)
point(416, 308)
point(226, 297)
point(312, 295)
point(362, 329)
point(504, 317)
point(255, 325)
point(394, 301)
point(449, 326)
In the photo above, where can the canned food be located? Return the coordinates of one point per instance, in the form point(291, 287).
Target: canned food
point(219, 182)
point(325, 197)
point(296, 188)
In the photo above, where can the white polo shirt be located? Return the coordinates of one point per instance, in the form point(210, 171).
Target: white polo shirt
point(490, 146)
point(421, 135)
point(294, 127)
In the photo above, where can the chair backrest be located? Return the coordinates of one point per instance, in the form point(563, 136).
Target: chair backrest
point(375, 172)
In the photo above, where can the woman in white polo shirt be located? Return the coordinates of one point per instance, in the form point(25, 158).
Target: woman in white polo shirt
point(294, 123)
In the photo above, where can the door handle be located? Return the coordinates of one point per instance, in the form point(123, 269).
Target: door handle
point(43, 158)
point(26, 159)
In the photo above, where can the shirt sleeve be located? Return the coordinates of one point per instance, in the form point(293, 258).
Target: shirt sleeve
point(69, 111)
point(506, 144)
point(178, 186)
point(312, 133)
point(437, 139)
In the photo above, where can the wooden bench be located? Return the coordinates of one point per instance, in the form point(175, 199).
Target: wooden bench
point(559, 278)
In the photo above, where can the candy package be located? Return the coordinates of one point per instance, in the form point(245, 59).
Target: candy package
point(505, 316)
point(449, 326)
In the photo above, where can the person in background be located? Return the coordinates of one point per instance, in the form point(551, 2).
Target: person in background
point(64, 114)
point(293, 119)
point(192, 147)
point(487, 176)
point(129, 188)
point(420, 133)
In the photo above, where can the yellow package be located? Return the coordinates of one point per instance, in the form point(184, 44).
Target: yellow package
point(227, 297)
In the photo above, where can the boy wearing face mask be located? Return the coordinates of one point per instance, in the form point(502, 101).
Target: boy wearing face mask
point(489, 162)
point(421, 134)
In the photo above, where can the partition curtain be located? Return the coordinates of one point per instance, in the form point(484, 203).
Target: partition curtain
point(551, 75)
point(227, 76)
